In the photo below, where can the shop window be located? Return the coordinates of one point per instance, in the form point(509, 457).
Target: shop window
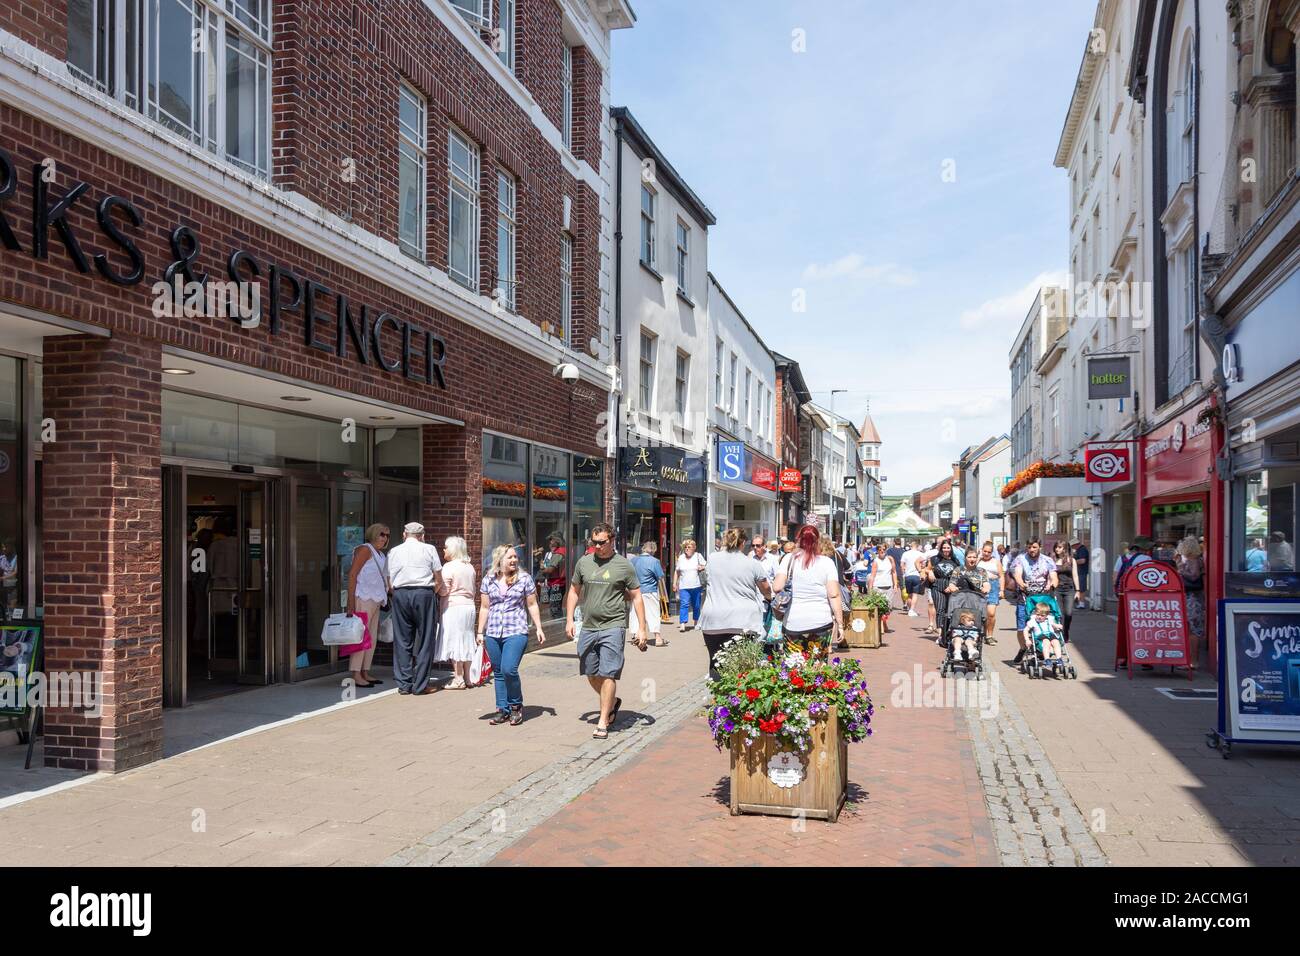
point(397, 453)
point(1266, 516)
point(212, 430)
point(12, 572)
point(1171, 523)
point(505, 498)
point(551, 551)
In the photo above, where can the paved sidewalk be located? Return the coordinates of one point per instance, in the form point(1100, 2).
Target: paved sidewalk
point(915, 796)
point(352, 786)
point(1136, 764)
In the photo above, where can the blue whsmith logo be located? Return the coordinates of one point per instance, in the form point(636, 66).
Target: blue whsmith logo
point(731, 460)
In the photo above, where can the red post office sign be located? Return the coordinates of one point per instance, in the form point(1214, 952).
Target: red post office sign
point(791, 479)
point(1107, 464)
point(1153, 618)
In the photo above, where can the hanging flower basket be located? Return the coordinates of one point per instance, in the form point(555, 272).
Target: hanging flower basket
point(1041, 469)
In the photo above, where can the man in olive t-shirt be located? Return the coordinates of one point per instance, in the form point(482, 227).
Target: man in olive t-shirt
point(604, 583)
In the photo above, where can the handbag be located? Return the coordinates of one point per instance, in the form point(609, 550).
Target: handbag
point(342, 630)
point(781, 600)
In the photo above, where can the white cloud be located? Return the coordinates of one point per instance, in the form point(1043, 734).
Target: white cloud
point(1006, 312)
point(854, 266)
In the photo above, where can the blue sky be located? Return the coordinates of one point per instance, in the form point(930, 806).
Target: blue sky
point(825, 169)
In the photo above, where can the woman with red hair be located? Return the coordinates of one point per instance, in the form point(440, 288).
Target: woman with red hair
point(815, 618)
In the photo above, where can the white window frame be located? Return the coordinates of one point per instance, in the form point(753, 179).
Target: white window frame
point(731, 392)
point(749, 387)
point(566, 81)
point(507, 232)
point(472, 10)
point(683, 257)
point(566, 288)
point(504, 33)
point(463, 185)
point(646, 362)
point(212, 22)
point(717, 374)
point(413, 142)
point(681, 385)
point(648, 243)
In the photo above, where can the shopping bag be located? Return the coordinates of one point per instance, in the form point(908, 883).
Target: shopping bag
point(340, 629)
point(385, 629)
point(480, 668)
point(366, 641)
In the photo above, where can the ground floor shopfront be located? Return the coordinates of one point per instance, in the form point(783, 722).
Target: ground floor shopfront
point(743, 490)
point(181, 491)
point(661, 498)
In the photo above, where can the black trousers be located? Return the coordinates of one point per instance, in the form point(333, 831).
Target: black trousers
point(415, 630)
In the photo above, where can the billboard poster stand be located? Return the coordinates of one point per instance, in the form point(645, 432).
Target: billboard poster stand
point(1152, 627)
point(1259, 673)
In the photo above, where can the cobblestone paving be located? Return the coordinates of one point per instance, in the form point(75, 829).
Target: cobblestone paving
point(1035, 822)
point(483, 831)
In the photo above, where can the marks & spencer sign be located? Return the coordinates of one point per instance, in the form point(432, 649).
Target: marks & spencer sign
point(331, 323)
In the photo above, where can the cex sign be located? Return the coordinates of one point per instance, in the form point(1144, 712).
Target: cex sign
point(1107, 464)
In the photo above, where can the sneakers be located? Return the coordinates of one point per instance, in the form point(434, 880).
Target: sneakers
point(912, 614)
point(1020, 656)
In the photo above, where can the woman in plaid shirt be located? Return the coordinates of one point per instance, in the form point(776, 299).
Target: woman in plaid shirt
point(508, 597)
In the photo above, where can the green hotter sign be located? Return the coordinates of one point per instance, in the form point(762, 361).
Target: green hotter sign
point(1109, 377)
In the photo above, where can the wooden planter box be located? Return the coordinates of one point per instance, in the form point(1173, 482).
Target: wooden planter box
point(821, 792)
point(870, 635)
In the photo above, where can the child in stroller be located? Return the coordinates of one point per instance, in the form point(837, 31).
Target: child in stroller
point(1046, 640)
point(964, 635)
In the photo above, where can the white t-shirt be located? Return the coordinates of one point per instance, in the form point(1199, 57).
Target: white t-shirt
point(992, 567)
point(809, 606)
point(910, 557)
point(689, 569)
point(413, 564)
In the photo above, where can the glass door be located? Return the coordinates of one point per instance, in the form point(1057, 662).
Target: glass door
point(254, 577)
point(349, 534)
point(312, 544)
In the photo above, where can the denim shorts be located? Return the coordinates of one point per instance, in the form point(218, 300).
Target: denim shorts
point(994, 589)
point(600, 653)
point(913, 583)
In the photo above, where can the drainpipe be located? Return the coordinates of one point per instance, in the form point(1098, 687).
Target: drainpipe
point(616, 359)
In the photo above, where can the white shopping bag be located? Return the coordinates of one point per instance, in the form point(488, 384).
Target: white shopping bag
point(386, 627)
point(340, 629)
point(480, 668)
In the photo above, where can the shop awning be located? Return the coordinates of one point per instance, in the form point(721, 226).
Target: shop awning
point(1050, 494)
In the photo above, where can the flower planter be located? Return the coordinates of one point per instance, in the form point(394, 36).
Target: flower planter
point(816, 782)
point(863, 628)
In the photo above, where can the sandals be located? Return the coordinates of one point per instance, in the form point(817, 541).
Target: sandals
point(613, 714)
point(600, 733)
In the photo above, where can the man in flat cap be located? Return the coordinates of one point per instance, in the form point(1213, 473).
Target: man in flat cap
point(416, 573)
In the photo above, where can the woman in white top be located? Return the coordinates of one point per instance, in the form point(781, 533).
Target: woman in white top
point(815, 616)
point(368, 588)
point(884, 578)
point(456, 642)
point(991, 565)
point(687, 584)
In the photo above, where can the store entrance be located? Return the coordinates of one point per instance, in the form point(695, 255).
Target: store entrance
point(225, 635)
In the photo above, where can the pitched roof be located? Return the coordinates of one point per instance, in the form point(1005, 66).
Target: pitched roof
point(868, 429)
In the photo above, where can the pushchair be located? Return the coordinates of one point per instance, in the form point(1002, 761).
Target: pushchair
point(954, 661)
point(1034, 663)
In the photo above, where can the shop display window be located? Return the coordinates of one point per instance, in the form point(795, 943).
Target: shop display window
point(1265, 521)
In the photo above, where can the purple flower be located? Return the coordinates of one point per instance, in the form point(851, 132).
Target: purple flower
point(729, 726)
point(723, 712)
point(733, 700)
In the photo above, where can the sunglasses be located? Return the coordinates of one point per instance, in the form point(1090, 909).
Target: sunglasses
point(600, 544)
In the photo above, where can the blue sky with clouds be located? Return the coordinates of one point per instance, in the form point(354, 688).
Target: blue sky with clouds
point(825, 170)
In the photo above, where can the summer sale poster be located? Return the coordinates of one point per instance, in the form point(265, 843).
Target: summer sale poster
point(1267, 655)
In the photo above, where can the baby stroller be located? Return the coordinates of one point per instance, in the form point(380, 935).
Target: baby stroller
point(955, 661)
point(1034, 663)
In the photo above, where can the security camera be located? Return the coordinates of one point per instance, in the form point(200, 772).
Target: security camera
point(566, 371)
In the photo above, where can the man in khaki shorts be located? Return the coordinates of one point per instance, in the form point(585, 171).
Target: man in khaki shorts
point(604, 584)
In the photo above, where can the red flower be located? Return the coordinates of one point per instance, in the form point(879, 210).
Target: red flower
point(797, 681)
point(748, 717)
point(752, 694)
point(832, 684)
point(780, 718)
point(769, 726)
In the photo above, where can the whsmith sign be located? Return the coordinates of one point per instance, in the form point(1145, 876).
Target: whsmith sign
point(396, 345)
point(1109, 377)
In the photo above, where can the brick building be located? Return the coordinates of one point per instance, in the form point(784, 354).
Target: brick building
point(791, 395)
point(408, 198)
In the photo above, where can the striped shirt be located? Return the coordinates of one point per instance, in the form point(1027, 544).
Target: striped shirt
point(507, 606)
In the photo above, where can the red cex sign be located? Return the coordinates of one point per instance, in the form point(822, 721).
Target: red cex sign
point(1107, 464)
point(1153, 620)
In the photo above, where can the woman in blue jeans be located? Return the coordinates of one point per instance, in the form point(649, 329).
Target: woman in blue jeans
point(688, 585)
point(508, 597)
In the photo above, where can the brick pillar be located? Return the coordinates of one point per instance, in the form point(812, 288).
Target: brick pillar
point(102, 497)
point(451, 485)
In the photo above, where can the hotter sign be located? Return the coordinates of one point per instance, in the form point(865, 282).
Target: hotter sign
point(1153, 622)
